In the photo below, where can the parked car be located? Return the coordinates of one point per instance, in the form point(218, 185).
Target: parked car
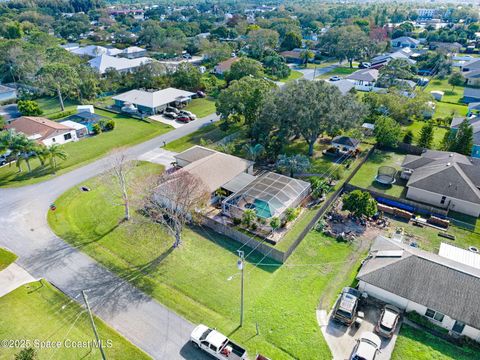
point(364, 65)
point(335, 78)
point(191, 115)
point(183, 118)
point(172, 109)
point(6, 157)
point(388, 321)
point(201, 94)
point(367, 347)
point(346, 307)
point(170, 114)
point(216, 344)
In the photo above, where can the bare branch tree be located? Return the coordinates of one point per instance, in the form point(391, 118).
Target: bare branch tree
point(119, 179)
point(176, 200)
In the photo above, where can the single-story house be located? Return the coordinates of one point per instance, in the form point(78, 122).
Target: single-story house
point(405, 42)
point(471, 65)
point(269, 195)
point(94, 51)
point(7, 93)
point(224, 66)
point(44, 131)
point(475, 124)
point(454, 47)
point(343, 85)
point(444, 287)
point(405, 53)
point(80, 129)
point(103, 62)
point(472, 78)
point(364, 79)
point(133, 52)
point(212, 167)
point(473, 108)
point(87, 119)
point(292, 56)
point(443, 179)
point(345, 143)
point(152, 102)
point(368, 128)
point(471, 95)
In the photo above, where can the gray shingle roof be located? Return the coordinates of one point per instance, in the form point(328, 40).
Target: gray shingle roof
point(364, 75)
point(194, 153)
point(471, 93)
point(428, 279)
point(345, 140)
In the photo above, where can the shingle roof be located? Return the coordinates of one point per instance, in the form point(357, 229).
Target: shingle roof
point(345, 140)
point(343, 85)
point(370, 75)
point(428, 279)
point(406, 39)
point(226, 65)
point(449, 174)
point(472, 64)
point(469, 92)
point(473, 74)
point(194, 153)
point(153, 99)
point(39, 127)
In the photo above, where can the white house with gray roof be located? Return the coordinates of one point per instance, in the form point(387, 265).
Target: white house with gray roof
point(445, 180)
point(364, 79)
point(405, 42)
point(445, 287)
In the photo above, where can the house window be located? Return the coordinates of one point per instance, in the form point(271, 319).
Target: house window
point(458, 327)
point(432, 314)
point(67, 136)
point(53, 140)
point(443, 200)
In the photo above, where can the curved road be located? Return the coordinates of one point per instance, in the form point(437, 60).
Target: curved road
point(24, 230)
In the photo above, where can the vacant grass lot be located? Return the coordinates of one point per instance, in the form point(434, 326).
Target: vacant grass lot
point(127, 132)
point(443, 110)
point(438, 133)
point(201, 107)
point(6, 258)
point(206, 135)
point(419, 345)
point(39, 311)
point(450, 95)
point(365, 177)
point(193, 280)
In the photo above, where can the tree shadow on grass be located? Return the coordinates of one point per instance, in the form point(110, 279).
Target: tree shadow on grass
point(39, 171)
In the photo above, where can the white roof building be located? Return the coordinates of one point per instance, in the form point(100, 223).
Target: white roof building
point(94, 50)
point(153, 99)
point(73, 125)
point(103, 62)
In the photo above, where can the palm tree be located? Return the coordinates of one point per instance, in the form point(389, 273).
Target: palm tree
point(293, 164)
point(22, 148)
point(42, 153)
point(254, 151)
point(55, 152)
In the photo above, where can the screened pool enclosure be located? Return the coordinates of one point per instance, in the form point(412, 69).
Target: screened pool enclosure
point(269, 195)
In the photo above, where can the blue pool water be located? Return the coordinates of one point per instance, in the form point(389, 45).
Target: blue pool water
point(262, 209)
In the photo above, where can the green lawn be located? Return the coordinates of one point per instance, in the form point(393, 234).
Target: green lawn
point(419, 345)
point(365, 177)
point(51, 105)
point(37, 311)
point(6, 258)
point(451, 95)
point(338, 71)
point(201, 107)
point(193, 279)
point(443, 110)
point(294, 75)
point(438, 133)
point(127, 132)
point(206, 135)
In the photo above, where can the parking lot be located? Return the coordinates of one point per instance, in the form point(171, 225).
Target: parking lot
point(342, 339)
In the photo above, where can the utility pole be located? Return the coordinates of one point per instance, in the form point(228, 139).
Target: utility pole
point(93, 324)
point(241, 267)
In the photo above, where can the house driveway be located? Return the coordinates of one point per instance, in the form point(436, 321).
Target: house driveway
point(341, 340)
point(13, 277)
point(159, 156)
point(160, 118)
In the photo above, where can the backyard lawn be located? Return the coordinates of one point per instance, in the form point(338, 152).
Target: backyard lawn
point(365, 177)
point(127, 132)
point(6, 258)
point(201, 107)
point(206, 135)
point(199, 279)
point(443, 110)
point(51, 105)
point(450, 95)
point(39, 311)
point(438, 133)
point(419, 345)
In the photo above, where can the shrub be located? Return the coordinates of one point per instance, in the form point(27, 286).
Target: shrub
point(29, 108)
point(237, 221)
point(275, 223)
point(422, 320)
point(254, 226)
point(109, 125)
point(61, 114)
point(408, 138)
point(291, 214)
point(97, 129)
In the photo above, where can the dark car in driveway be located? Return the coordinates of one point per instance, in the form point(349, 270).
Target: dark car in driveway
point(183, 118)
point(345, 310)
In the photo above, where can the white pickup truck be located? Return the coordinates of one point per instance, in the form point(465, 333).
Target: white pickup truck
point(216, 344)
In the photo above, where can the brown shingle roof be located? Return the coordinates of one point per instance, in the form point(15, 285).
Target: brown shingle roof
point(39, 126)
point(226, 65)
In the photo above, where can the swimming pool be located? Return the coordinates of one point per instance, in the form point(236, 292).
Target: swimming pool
point(262, 209)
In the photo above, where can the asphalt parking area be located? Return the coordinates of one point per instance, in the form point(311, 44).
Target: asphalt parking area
point(341, 339)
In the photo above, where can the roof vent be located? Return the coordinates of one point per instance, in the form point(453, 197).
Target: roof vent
point(449, 164)
point(451, 155)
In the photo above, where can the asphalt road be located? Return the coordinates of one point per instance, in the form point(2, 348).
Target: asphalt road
point(311, 74)
point(24, 230)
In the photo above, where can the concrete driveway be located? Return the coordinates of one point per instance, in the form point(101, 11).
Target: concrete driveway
point(159, 156)
point(174, 123)
point(341, 339)
point(13, 277)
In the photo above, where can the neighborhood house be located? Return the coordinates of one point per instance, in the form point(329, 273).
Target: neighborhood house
point(405, 42)
point(475, 124)
point(150, 101)
point(364, 79)
point(442, 287)
point(43, 131)
point(104, 62)
point(224, 66)
point(446, 180)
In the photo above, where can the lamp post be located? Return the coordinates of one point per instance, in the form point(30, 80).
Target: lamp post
point(241, 267)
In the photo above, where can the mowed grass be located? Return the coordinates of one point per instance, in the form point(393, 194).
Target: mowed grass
point(451, 95)
point(420, 345)
point(365, 177)
point(6, 258)
point(51, 105)
point(438, 133)
point(37, 311)
point(294, 75)
point(338, 71)
point(201, 107)
point(127, 132)
point(443, 110)
point(206, 135)
point(199, 280)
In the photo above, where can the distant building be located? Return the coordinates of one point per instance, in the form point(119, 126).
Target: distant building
point(225, 66)
point(103, 62)
point(405, 42)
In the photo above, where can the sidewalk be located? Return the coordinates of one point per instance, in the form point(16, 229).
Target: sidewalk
point(13, 277)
